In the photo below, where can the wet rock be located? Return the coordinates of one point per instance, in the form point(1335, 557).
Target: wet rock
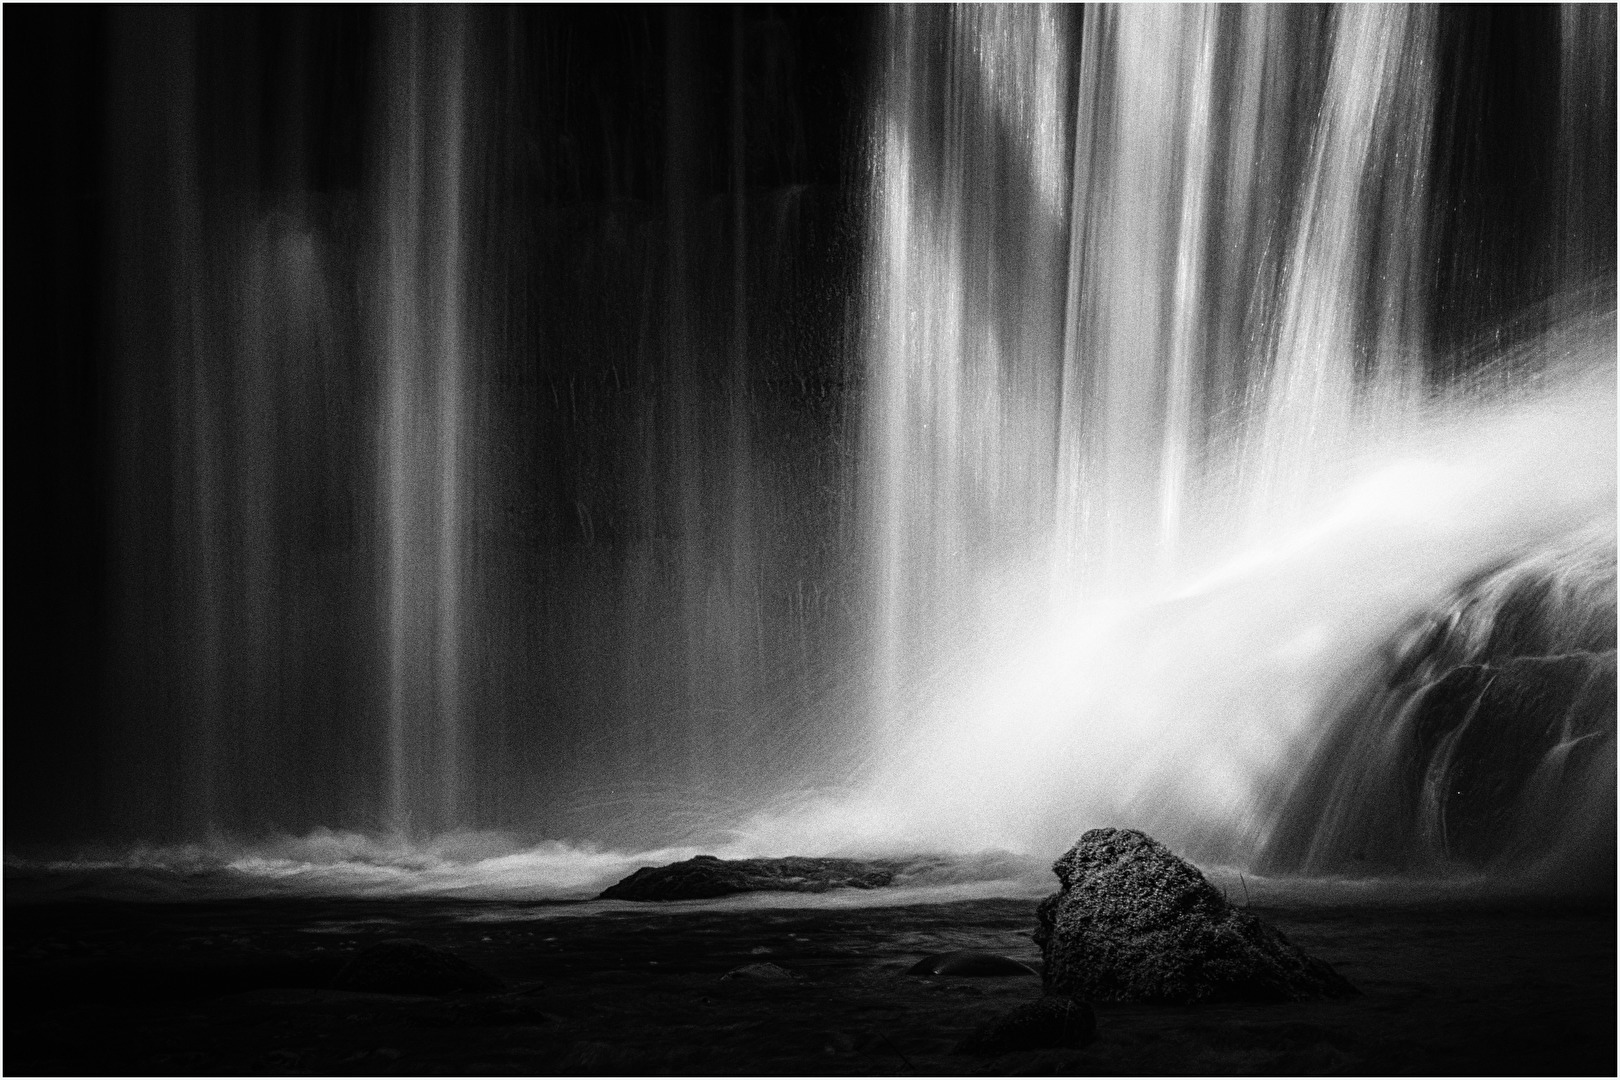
point(1049, 1023)
point(970, 964)
point(705, 876)
point(1132, 922)
point(761, 973)
point(1504, 746)
point(1485, 737)
point(407, 966)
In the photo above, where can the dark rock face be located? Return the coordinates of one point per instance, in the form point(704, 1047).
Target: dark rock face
point(1484, 739)
point(1132, 922)
point(705, 876)
point(969, 963)
point(1501, 741)
point(406, 966)
point(1049, 1023)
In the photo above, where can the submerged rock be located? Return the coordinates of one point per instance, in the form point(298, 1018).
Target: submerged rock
point(762, 973)
point(1132, 922)
point(407, 966)
point(705, 876)
point(1049, 1023)
point(970, 963)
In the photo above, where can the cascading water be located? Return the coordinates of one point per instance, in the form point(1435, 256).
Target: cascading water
point(1488, 741)
point(1134, 541)
point(508, 443)
point(1214, 340)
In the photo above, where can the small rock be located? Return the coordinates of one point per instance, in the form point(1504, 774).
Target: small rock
point(1046, 1024)
point(763, 972)
point(406, 966)
point(704, 877)
point(971, 964)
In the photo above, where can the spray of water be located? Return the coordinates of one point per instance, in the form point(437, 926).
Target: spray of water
point(1192, 709)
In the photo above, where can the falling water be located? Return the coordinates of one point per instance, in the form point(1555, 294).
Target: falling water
point(452, 487)
point(1136, 533)
point(422, 428)
point(510, 445)
point(1242, 282)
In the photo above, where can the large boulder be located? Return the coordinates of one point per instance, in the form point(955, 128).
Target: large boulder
point(1132, 922)
point(704, 877)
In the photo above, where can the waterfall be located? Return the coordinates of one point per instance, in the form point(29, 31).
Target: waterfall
point(1117, 286)
point(1162, 445)
point(816, 430)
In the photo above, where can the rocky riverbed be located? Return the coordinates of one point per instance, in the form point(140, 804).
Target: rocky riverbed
point(246, 987)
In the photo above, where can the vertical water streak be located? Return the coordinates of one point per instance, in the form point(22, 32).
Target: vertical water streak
point(741, 613)
point(1187, 313)
point(1400, 271)
point(422, 426)
point(1124, 408)
point(1070, 480)
point(1586, 143)
point(970, 205)
point(888, 403)
point(1245, 213)
point(198, 450)
point(451, 393)
point(399, 276)
point(1323, 355)
point(685, 456)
